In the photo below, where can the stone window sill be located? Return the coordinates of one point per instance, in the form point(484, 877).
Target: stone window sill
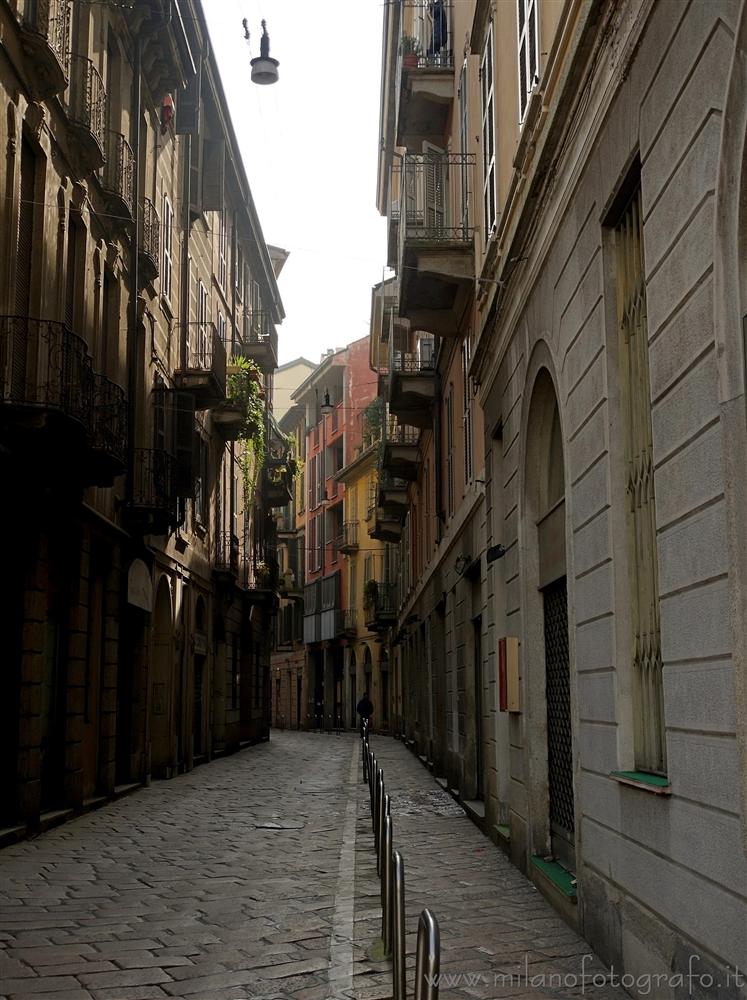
point(654, 783)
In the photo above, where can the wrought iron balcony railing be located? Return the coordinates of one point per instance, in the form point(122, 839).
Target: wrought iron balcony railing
point(347, 540)
point(206, 352)
point(46, 26)
point(44, 365)
point(118, 171)
point(227, 549)
point(350, 621)
point(379, 600)
point(153, 481)
point(87, 101)
point(149, 243)
point(109, 421)
point(436, 198)
point(259, 338)
point(413, 362)
point(426, 35)
point(397, 433)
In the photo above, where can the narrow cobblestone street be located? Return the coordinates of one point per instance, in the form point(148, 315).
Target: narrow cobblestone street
point(255, 877)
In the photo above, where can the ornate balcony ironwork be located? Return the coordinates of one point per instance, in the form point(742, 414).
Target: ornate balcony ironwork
point(149, 241)
point(45, 370)
point(400, 454)
point(436, 263)
point(259, 340)
point(108, 431)
point(45, 32)
point(347, 540)
point(425, 72)
point(205, 372)
point(87, 112)
point(227, 549)
point(278, 482)
point(380, 605)
point(349, 622)
point(153, 502)
point(118, 173)
point(412, 383)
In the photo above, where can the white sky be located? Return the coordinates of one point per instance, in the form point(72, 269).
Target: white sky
point(309, 144)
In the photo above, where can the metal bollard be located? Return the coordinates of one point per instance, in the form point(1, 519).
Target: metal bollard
point(384, 811)
point(371, 778)
point(364, 754)
point(399, 991)
point(427, 957)
point(386, 886)
point(378, 804)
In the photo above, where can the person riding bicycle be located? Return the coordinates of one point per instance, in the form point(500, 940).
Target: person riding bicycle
point(364, 708)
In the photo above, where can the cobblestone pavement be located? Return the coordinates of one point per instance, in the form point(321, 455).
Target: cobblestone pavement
point(255, 877)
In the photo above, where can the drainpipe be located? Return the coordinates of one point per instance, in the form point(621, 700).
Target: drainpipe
point(438, 470)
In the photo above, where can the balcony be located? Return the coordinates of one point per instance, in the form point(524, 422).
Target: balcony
point(149, 241)
point(349, 625)
point(45, 35)
point(278, 482)
point(393, 498)
point(205, 372)
point(152, 506)
point(425, 74)
point(400, 455)
point(87, 114)
point(392, 231)
point(117, 175)
point(379, 605)
point(260, 340)
point(226, 559)
point(108, 432)
point(46, 383)
point(347, 540)
point(386, 527)
point(436, 241)
point(412, 385)
point(258, 571)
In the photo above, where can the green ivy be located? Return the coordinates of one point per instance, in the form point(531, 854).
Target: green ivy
point(244, 386)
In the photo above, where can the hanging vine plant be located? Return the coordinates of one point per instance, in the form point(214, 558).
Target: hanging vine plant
point(244, 386)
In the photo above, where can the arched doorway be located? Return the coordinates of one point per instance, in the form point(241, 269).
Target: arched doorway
point(547, 659)
point(162, 684)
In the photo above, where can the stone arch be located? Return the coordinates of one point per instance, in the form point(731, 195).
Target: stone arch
point(548, 700)
point(162, 733)
point(730, 327)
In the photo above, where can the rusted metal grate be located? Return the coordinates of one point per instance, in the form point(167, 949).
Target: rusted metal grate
point(558, 695)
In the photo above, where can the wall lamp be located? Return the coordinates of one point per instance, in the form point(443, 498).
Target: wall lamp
point(494, 552)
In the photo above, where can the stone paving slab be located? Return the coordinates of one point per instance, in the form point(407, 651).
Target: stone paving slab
point(253, 878)
point(499, 936)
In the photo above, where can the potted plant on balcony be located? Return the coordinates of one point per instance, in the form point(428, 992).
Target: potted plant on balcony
point(411, 51)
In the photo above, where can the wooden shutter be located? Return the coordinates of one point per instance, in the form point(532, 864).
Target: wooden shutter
point(188, 106)
point(213, 175)
point(186, 442)
point(24, 258)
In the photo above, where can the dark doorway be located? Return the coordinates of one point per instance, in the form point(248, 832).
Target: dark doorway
point(559, 732)
point(477, 680)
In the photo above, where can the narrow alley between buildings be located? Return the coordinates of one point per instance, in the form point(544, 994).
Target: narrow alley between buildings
point(255, 877)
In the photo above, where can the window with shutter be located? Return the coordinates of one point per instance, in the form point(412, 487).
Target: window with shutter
point(213, 175)
point(24, 246)
point(528, 52)
point(487, 94)
point(635, 401)
point(202, 324)
point(467, 412)
point(222, 251)
point(167, 231)
point(188, 105)
point(186, 442)
point(450, 451)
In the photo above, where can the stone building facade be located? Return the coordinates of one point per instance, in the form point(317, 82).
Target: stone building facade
point(141, 574)
point(608, 363)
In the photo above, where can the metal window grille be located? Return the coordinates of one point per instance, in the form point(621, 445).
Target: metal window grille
point(648, 705)
point(558, 698)
point(467, 414)
point(168, 260)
